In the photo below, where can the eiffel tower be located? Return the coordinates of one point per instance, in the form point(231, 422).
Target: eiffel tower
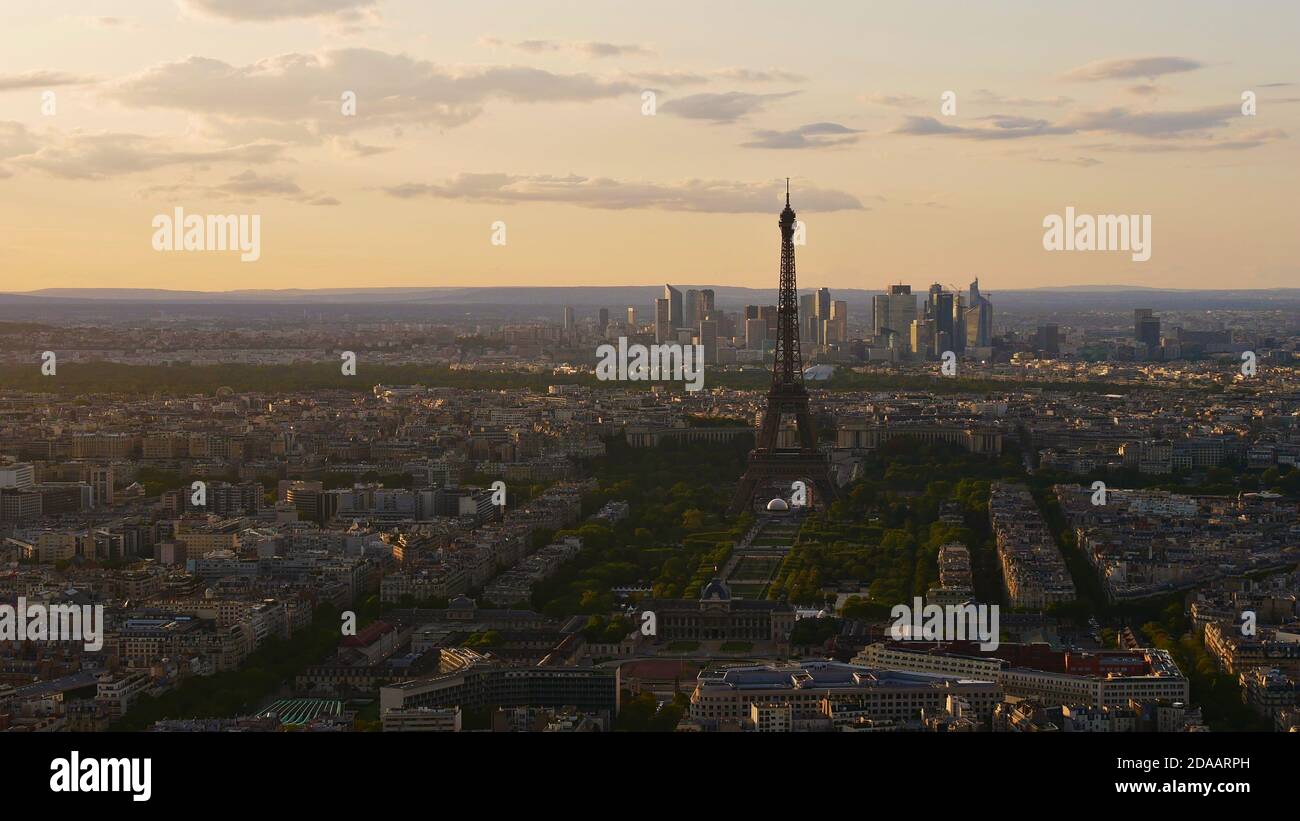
point(771, 466)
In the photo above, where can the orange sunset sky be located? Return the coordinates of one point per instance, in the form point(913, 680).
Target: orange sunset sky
point(532, 113)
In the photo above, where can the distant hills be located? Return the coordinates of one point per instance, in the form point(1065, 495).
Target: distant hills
point(1073, 297)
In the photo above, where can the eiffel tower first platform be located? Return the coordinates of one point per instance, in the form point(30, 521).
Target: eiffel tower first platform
point(773, 469)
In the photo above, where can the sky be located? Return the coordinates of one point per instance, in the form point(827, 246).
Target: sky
point(534, 114)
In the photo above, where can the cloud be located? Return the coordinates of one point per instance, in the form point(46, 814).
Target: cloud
point(721, 108)
point(670, 78)
point(41, 79)
point(701, 196)
point(738, 75)
point(1082, 162)
point(86, 156)
point(1145, 90)
point(298, 95)
point(586, 48)
point(996, 127)
point(1131, 67)
point(261, 11)
point(891, 100)
point(15, 140)
point(986, 97)
point(813, 135)
point(106, 22)
point(1120, 120)
point(1242, 142)
point(750, 75)
point(1190, 124)
point(246, 186)
point(355, 148)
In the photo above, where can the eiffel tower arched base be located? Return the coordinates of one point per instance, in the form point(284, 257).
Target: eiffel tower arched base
point(783, 469)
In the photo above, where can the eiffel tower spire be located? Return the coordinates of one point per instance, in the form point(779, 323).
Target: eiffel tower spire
point(787, 367)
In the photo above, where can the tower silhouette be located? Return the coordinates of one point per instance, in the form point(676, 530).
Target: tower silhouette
point(770, 464)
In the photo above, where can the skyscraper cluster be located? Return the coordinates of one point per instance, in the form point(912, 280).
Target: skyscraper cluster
point(943, 322)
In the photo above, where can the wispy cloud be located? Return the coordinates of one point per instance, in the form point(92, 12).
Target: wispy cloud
point(1130, 68)
point(41, 79)
point(734, 75)
point(997, 127)
point(261, 11)
point(246, 187)
point(97, 156)
point(704, 196)
point(813, 135)
point(297, 96)
point(985, 97)
point(587, 48)
point(891, 100)
point(726, 107)
point(1196, 126)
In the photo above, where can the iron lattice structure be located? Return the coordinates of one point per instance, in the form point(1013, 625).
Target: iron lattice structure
point(771, 465)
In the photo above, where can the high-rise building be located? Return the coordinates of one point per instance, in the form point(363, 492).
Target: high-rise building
point(691, 309)
point(708, 303)
point(808, 318)
point(568, 318)
point(823, 313)
point(770, 315)
point(1146, 328)
point(894, 312)
point(940, 309)
point(663, 320)
point(752, 312)
point(837, 326)
point(979, 318)
point(631, 318)
point(755, 333)
point(922, 337)
point(1049, 339)
point(709, 339)
point(603, 323)
point(674, 298)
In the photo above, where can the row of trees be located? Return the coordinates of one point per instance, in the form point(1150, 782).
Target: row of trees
point(674, 532)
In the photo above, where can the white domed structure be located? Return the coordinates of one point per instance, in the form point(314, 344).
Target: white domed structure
point(778, 505)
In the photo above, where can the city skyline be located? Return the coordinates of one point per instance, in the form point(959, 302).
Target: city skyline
point(220, 108)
